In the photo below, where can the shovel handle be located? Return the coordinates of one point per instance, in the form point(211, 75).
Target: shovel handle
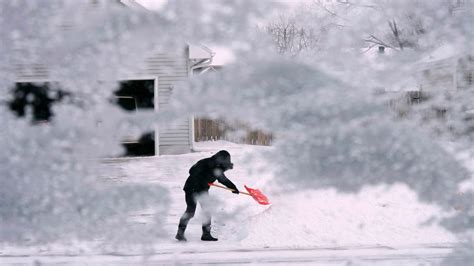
point(226, 188)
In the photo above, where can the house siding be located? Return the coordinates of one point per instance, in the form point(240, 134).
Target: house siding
point(438, 75)
point(169, 69)
point(31, 72)
point(447, 74)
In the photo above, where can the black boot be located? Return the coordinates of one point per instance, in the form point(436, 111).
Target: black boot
point(180, 234)
point(206, 234)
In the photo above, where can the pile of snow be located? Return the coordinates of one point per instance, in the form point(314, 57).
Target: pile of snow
point(387, 216)
point(376, 215)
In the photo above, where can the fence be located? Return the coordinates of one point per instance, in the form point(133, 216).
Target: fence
point(207, 129)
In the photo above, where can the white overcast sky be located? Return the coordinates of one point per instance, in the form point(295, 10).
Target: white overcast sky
point(223, 55)
point(151, 4)
point(156, 4)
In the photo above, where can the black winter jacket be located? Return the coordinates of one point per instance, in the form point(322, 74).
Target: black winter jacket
point(209, 170)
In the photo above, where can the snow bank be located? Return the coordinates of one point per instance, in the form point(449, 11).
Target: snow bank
point(376, 216)
point(387, 215)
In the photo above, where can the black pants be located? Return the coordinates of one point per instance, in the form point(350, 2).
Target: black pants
point(191, 201)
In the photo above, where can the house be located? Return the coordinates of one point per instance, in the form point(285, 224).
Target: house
point(149, 88)
point(445, 69)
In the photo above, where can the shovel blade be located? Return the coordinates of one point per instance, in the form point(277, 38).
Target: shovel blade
point(258, 196)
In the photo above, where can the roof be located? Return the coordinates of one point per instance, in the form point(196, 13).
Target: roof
point(132, 4)
point(440, 53)
point(200, 52)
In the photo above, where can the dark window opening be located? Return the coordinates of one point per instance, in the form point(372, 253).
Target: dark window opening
point(415, 97)
point(145, 146)
point(39, 97)
point(469, 78)
point(135, 94)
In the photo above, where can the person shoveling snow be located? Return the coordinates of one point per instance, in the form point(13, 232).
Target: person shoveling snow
point(196, 189)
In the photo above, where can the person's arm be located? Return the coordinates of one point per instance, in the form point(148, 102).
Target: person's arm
point(226, 182)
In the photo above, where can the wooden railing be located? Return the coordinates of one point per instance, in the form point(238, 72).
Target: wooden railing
point(208, 129)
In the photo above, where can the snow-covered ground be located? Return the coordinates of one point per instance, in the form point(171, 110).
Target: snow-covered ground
point(381, 225)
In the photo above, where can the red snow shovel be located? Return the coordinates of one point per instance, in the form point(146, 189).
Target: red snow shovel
point(254, 193)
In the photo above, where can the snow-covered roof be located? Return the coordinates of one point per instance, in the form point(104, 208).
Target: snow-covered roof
point(200, 52)
point(441, 53)
point(132, 4)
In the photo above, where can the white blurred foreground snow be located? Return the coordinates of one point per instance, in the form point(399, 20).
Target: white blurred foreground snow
point(350, 179)
point(380, 225)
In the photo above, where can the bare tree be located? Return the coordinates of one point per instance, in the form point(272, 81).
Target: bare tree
point(399, 37)
point(291, 37)
point(404, 28)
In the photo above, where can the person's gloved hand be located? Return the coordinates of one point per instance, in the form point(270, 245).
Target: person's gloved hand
point(235, 191)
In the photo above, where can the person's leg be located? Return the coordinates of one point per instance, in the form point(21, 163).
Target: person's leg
point(203, 199)
point(187, 215)
point(206, 224)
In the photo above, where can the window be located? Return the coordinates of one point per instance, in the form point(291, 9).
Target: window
point(37, 97)
point(133, 95)
point(136, 94)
